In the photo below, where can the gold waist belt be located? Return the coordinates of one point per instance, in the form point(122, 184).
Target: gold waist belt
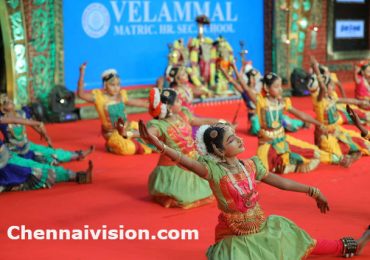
point(268, 135)
point(246, 223)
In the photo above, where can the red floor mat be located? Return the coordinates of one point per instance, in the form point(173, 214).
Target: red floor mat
point(119, 196)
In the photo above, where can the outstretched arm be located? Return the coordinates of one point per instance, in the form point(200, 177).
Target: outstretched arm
point(137, 103)
point(304, 116)
point(230, 79)
point(81, 93)
point(353, 101)
point(289, 185)
point(38, 126)
point(144, 102)
point(239, 84)
point(190, 164)
point(122, 126)
point(250, 91)
point(19, 120)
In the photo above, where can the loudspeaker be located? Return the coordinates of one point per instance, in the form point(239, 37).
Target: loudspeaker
point(61, 99)
point(299, 80)
point(62, 105)
point(63, 117)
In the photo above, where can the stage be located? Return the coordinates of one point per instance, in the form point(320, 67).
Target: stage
point(119, 196)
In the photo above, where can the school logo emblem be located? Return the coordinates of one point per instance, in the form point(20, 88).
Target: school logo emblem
point(96, 20)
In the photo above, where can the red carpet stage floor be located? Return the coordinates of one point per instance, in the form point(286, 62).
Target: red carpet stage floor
point(118, 196)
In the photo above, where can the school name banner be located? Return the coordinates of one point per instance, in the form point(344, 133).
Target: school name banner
point(133, 36)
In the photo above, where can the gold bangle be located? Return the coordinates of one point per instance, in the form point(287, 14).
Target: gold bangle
point(313, 192)
point(163, 148)
point(178, 159)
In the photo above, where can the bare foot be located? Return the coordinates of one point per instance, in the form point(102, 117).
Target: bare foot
point(363, 240)
point(355, 156)
point(84, 177)
point(348, 160)
point(82, 154)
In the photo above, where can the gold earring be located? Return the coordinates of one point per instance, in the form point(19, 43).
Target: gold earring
point(219, 153)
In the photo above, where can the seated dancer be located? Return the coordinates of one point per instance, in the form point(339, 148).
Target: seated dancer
point(279, 152)
point(110, 104)
point(170, 185)
point(335, 140)
point(19, 174)
point(13, 127)
point(357, 122)
point(243, 230)
point(341, 108)
point(251, 77)
point(362, 80)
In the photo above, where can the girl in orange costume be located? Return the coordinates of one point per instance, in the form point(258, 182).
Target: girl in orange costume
point(110, 103)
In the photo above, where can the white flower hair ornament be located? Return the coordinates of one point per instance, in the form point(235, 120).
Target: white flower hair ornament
point(199, 140)
point(312, 83)
point(156, 107)
point(108, 74)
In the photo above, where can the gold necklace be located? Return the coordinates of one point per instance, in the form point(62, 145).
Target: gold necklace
point(275, 123)
point(245, 196)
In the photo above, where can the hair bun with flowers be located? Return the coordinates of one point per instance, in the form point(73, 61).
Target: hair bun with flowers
point(156, 108)
point(199, 140)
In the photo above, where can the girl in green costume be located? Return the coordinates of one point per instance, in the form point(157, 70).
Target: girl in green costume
point(170, 185)
point(24, 153)
point(243, 231)
point(13, 127)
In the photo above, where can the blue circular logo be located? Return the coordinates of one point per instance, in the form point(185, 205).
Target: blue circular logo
point(96, 20)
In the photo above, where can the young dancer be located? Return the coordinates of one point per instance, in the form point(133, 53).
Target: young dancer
point(13, 124)
point(243, 230)
point(110, 103)
point(336, 140)
point(279, 152)
point(170, 185)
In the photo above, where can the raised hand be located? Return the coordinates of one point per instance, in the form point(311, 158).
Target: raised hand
point(83, 67)
point(148, 137)
point(356, 120)
point(313, 60)
point(121, 126)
